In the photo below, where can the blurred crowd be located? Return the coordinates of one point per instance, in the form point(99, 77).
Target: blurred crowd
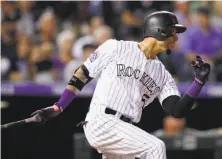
point(175, 127)
point(46, 41)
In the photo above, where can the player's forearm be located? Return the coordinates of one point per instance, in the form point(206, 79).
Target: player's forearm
point(180, 107)
point(75, 85)
point(72, 89)
point(67, 96)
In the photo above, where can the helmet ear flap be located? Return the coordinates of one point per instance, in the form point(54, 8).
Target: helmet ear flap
point(162, 32)
point(165, 32)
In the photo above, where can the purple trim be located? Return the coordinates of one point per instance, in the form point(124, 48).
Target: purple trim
point(28, 88)
point(65, 99)
point(194, 89)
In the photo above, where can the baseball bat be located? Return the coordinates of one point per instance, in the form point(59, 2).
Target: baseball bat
point(34, 119)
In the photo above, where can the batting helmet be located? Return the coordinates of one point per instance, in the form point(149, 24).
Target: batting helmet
point(159, 25)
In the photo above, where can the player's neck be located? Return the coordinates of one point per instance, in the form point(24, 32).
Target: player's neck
point(149, 47)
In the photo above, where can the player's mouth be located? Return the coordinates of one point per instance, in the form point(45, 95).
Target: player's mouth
point(171, 43)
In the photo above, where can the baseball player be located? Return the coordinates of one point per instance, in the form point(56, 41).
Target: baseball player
point(130, 77)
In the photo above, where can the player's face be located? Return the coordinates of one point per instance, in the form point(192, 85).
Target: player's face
point(170, 43)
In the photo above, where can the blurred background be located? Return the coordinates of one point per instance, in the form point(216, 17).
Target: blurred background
point(42, 43)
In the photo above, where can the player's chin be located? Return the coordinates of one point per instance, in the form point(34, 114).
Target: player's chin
point(168, 49)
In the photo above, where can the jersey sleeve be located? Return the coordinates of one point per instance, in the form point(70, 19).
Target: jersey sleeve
point(100, 58)
point(169, 89)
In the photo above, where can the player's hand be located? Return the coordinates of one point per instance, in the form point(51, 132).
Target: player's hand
point(45, 114)
point(201, 70)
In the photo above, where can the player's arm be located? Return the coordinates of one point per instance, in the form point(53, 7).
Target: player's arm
point(90, 69)
point(179, 106)
point(79, 79)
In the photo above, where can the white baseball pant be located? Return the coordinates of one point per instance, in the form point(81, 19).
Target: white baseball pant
point(116, 139)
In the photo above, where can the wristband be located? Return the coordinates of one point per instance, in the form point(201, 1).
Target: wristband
point(194, 89)
point(65, 99)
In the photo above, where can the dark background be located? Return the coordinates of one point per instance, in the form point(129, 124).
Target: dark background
point(54, 139)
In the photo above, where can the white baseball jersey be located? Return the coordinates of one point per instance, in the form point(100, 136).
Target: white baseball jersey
point(128, 80)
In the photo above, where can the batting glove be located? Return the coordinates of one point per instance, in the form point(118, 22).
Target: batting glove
point(45, 114)
point(201, 70)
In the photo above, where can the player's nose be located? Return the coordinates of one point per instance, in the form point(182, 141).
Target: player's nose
point(175, 37)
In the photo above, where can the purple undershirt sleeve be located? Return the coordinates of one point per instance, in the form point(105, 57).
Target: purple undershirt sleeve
point(194, 89)
point(65, 99)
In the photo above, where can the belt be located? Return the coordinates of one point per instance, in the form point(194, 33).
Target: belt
point(122, 117)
